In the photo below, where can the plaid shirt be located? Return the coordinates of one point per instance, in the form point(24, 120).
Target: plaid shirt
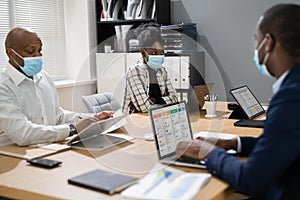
point(137, 88)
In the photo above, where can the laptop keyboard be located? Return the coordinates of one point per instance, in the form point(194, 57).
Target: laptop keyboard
point(186, 159)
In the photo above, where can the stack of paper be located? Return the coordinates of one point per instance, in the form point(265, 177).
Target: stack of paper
point(164, 182)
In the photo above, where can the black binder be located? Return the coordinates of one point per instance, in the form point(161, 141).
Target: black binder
point(103, 181)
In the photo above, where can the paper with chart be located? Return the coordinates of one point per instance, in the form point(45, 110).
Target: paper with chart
point(166, 183)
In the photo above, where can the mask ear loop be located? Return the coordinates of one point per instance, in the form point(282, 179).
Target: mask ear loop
point(18, 56)
point(266, 58)
point(17, 53)
point(145, 53)
point(268, 53)
point(262, 43)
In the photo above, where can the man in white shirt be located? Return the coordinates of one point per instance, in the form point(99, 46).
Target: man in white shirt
point(29, 106)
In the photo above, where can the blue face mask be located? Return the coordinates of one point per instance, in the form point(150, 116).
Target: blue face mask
point(262, 68)
point(32, 65)
point(155, 61)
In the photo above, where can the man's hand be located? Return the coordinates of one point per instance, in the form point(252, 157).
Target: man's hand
point(104, 115)
point(198, 149)
point(83, 123)
point(86, 121)
point(222, 143)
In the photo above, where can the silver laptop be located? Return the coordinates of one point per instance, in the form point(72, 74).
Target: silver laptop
point(92, 137)
point(171, 124)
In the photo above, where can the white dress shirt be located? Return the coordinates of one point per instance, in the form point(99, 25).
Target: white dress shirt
point(29, 109)
point(278, 82)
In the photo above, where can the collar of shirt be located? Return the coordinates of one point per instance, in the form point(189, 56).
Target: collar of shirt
point(18, 77)
point(278, 82)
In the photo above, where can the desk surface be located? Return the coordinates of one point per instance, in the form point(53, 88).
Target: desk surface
point(20, 181)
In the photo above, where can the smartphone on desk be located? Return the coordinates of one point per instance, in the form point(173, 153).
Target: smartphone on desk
point(43, 162)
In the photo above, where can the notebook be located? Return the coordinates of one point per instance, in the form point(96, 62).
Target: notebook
point(92, 137)
point(103, 181)
point(170, 125)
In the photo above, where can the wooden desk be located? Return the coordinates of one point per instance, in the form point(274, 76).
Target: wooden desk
point(20, 181)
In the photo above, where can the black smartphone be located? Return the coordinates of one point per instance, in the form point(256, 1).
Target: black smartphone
point(43, 162)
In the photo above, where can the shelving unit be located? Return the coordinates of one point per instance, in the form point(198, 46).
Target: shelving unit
point(185, 68)
point(106, 30)
point(185, 71)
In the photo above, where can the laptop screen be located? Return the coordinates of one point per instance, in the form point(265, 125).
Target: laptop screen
point(170, 124)
point(247, 101)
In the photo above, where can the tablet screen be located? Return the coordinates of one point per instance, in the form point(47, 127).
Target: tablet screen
point(247, 101)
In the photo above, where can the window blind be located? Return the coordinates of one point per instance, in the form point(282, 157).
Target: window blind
point(4, 28)
point(47, 19)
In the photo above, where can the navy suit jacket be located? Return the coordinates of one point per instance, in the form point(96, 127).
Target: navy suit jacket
point(273, 167)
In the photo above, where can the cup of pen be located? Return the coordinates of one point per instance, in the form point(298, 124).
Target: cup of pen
point(211, 105)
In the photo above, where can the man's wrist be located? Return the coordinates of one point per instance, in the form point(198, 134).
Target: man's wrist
point(205, 149)
point(73, 130)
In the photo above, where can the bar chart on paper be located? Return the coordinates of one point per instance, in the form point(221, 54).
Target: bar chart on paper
point(167, 183)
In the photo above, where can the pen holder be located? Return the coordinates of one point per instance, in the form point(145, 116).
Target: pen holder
point(210, 108)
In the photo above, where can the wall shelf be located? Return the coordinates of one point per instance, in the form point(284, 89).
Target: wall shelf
point(106, 28)
point(122, 22)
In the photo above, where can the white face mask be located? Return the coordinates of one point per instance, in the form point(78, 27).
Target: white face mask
point(262, 68)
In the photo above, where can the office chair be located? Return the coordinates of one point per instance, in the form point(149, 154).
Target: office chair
point(200, 91)
point(99, 102)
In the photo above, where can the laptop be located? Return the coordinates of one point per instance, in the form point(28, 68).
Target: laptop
point(170, 125)
point(249, 105)
point(93, 137)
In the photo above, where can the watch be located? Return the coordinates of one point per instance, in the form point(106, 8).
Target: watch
point(73, 130)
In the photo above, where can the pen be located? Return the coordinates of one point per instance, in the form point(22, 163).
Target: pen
point(87, 117)
point(211, 97)
point(215, 97)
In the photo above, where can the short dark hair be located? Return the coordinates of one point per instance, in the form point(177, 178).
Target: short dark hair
point(282, 21)
point(148, 34)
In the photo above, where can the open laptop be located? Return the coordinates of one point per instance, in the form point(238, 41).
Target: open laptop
point(92, 137)
point(249, 106)
point(171, 124)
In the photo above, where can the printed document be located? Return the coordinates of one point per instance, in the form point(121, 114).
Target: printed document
point(165, 183)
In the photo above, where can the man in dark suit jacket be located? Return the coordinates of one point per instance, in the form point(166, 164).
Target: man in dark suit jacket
point(272, 170)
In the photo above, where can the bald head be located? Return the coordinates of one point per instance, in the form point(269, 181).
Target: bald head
point(19, 37)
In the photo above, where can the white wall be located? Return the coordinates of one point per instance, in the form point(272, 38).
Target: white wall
point(71, 96)
point(80, 24)
point(226, 30)
point(77, 38)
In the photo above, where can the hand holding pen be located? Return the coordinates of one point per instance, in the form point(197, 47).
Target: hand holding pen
point(85, 120)
point(104, 115)
point(99, 116)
